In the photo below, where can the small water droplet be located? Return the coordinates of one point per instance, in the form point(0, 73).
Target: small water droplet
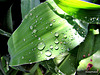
point(40, 18)
point(22, 57)
point(65, 36)
point(48, 53)
point(31, 14)
point(41, 52)
point(41, 46)
point(34, 31)
point(32, 49)
point(56, 41)
point(31, 42)
point(54, 9)
point(29, 52)
point(23, 39)
point(39, 38)
point(51, 47)
point(36, 21)
point(31, 27)
point(51, 24)
point(56, 47)
point(30, 60)
point(53, 20)
point(46, 27)
point(56, 34)
point(68, 49)
point(36, 16)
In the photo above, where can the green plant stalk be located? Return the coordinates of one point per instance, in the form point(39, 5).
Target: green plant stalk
point(2, 32)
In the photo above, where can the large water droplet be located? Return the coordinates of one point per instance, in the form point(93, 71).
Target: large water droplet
point(51, 47)
point(34, 31)
point(56, 34)
point(31, 27)
point(56, 41)
point(41, 46)
point(51, 24)
point(48, 53)
point(56, 47)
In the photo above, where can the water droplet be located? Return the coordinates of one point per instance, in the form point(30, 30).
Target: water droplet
point(51, 47)
point(35, 25)
point(54, 9)
point(36, 16)
point(65, 36)
point(56, 47)
point(46, 27)
point(41, 46)
point(23, 39)
point(56, 34)
point(34, 31)
point(40, 18)
point(30, 60)
point(22, 57)
point(35, 35)
point(68, 49)
point(31, 27)
point(36, 21)
point(31, 14)
point(56, 41)
point(51, 24)
point(41, 52)
point(53, 20)
point(31, 42)
point(39, 38)
point(48, 53)
point(29, 52)
point(32, 49)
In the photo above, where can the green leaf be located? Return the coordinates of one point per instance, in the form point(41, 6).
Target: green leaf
point(38, 72)
point(68, 65)
point(86, 48)
point(82, 10)
point(8, 21)
point(2, 32)
point(94, 59)
point(27, 5)
point(49, 65)
point(43, 35)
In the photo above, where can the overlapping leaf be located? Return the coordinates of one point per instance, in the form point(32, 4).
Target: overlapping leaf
point(94, 59)
point(82, 10)
point(43, 35)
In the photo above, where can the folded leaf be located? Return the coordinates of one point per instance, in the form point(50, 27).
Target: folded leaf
point(43, 35)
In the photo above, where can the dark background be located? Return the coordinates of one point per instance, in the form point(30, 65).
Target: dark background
point(16, 18)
